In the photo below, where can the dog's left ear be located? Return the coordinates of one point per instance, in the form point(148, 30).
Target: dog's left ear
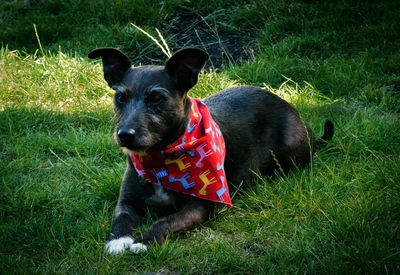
point(184, 67)
point(115, 64)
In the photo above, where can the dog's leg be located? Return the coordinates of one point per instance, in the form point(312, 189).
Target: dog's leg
point(127, 214)
point(194, 213)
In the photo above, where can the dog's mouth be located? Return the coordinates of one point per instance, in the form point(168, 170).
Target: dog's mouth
point(132, 144)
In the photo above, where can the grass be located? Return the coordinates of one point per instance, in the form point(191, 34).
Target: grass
point(60, 171)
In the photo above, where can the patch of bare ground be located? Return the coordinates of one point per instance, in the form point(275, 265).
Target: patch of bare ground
point(223, 47)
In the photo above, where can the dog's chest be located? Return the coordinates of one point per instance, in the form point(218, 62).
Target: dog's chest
point(161, 199)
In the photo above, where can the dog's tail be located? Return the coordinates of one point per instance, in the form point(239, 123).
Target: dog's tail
point(329, 130)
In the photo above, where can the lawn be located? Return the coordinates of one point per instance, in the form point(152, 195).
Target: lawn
point(60, 170)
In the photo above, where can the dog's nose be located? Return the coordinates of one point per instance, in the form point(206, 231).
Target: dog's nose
point(126, 134)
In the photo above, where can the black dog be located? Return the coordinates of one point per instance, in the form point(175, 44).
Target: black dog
point(262, 133)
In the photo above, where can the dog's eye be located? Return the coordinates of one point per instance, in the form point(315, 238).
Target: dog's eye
point(155, 98)
point(120, 97)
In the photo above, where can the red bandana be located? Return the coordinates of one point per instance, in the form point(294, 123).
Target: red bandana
point(193, 164)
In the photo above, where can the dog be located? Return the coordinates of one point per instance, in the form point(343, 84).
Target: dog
point(261, 132)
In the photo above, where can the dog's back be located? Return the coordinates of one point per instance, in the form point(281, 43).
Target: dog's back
point(260, 130)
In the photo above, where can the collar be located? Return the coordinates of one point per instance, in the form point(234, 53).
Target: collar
point(194, 163)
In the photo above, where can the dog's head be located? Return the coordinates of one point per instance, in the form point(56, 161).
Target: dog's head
point(151, 104)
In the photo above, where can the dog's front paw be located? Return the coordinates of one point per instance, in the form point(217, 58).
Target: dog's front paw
point(123, 244)
point(119, 245)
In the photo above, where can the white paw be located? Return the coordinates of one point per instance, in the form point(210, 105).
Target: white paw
point(119, 245)
point(123, 244)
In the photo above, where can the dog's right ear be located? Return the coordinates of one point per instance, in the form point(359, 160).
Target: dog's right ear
point(185, 65)
point(115, 64)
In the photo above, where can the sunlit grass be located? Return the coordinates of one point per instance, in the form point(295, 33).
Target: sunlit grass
point(55, 82)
